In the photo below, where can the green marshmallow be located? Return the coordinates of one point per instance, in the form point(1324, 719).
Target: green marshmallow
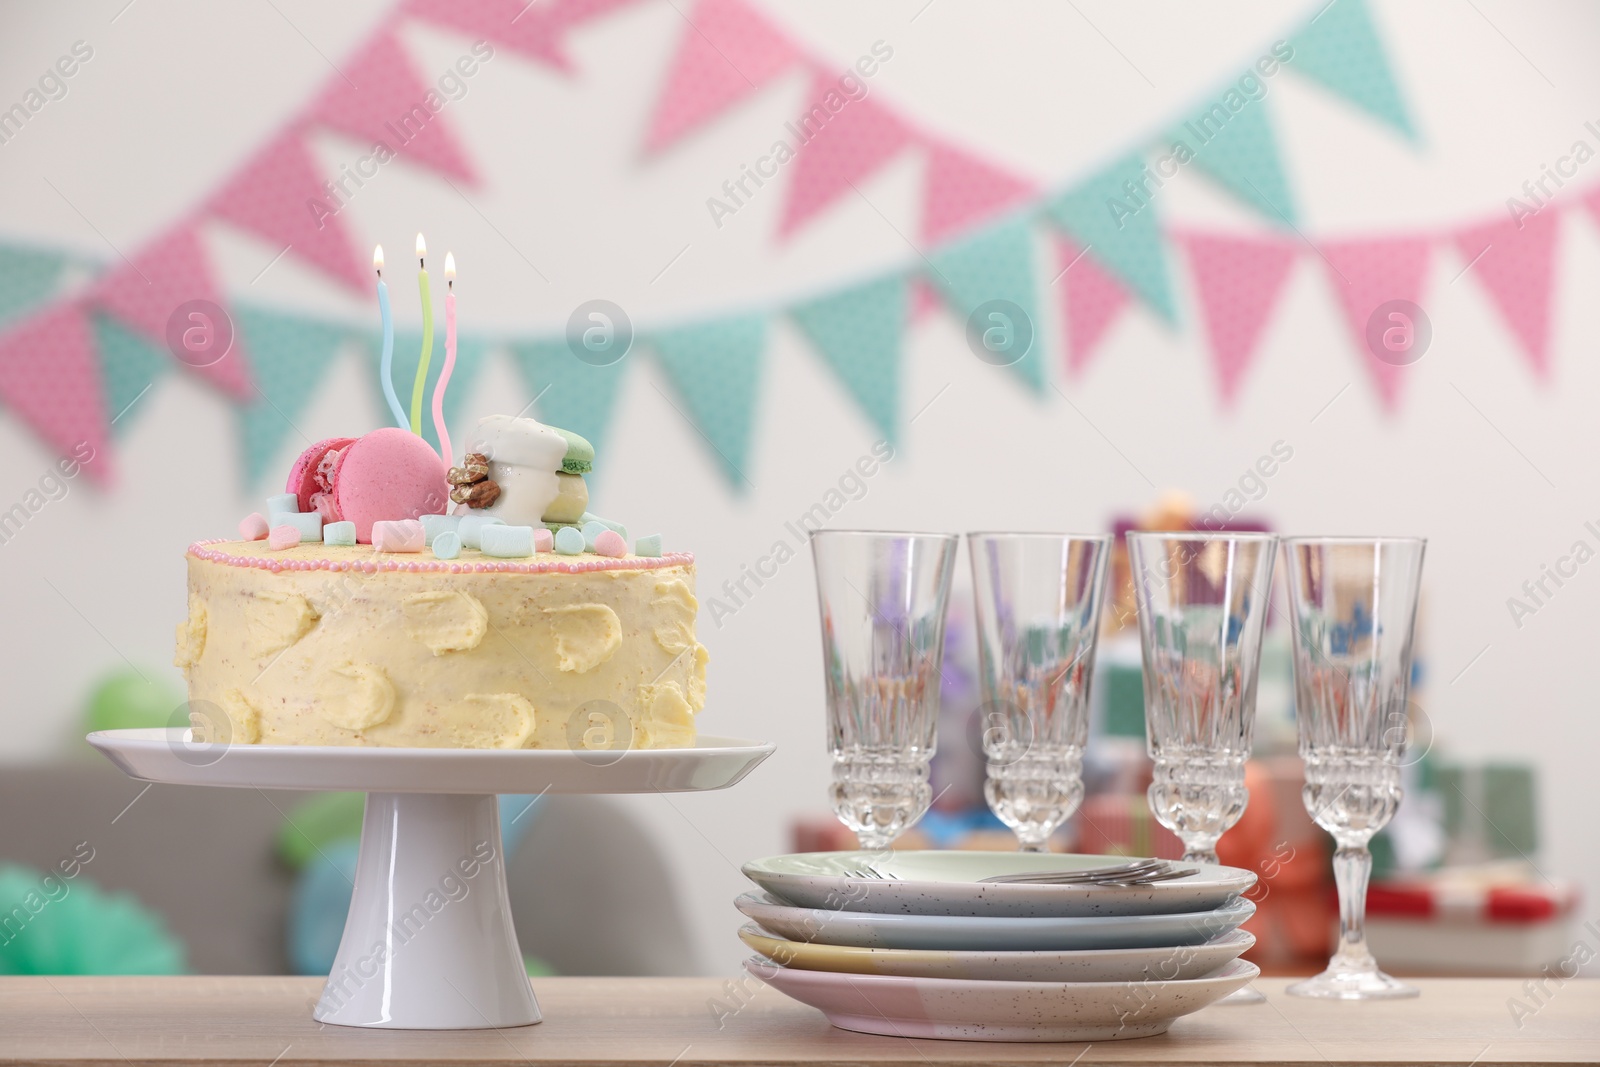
point(580, 453)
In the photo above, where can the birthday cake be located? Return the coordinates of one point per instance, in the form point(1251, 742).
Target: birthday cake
point(388, 598)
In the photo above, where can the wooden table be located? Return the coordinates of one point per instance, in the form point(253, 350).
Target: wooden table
point(134, 1021)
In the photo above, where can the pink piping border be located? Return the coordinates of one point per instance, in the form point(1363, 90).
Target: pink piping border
point(593, 563)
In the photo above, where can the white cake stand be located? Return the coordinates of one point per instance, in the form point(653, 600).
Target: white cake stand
point(429, 943)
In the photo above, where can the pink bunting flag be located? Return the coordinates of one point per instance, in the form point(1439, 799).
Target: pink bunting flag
point(1237, 281)
point(50, 376)
point(924, 300)
point(277, 195)
point(1515, 262)
point(380, 100)
point(725, 54)
point(536, 30)
point(1090, 302)
point(839, 140)
point(959, 190)
point(1368, 276)
point(165, 276)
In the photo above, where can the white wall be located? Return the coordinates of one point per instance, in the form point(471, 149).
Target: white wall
point(1495, 468)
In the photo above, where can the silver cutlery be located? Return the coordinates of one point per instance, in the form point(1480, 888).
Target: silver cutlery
point(1133, 873)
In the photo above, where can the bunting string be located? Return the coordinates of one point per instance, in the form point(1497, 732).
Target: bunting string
point(70, 367)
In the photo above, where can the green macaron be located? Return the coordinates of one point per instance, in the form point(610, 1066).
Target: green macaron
point(580, 453)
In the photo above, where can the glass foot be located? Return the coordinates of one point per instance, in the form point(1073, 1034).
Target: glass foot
point(1247, 995)
point(1342, 982)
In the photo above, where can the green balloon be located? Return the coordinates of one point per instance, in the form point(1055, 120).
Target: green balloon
point(126, 700)
point(318, 822)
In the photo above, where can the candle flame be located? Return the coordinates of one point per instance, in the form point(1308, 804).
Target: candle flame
point(377, 259)
point(450, 266)
point(422, 247)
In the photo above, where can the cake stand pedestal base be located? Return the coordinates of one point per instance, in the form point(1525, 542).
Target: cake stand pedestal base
point(428, 943)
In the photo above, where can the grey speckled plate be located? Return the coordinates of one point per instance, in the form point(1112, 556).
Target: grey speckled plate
point(959, 1010)
point(948, 883)
point(989, 933)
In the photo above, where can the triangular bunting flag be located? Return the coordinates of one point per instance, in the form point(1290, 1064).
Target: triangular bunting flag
point(716, 367)
point(1366, 275)
point(293, 354)
point(533, 30)
point(1340, 50)
point(1237, 281)
point(50, 377)
point(1090, 302)
point(129, 365)
point(28, 277)
point(959, 190)
point(924, 300)
point(1515, 261)
point(725, 53)
point(277, 195)
point(1117, 222)
point(569, 393)
point(379, 100)
point(1233, 142)
point(996, 264)
point(167, 274)
point(858, 332)
point(842, 140)
point(471, 352)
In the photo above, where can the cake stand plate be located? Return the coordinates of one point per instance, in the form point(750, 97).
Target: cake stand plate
point(429, 943)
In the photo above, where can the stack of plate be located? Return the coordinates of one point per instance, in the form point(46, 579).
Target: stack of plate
point(915, 944)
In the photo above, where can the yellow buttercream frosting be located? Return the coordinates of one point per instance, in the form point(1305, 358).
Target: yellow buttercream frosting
point(604, 658)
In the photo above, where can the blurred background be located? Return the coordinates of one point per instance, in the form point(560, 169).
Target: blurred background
point(800, 218)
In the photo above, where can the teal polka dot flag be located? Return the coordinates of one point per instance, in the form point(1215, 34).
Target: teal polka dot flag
point(572, 394)
point(996, 264)
point(1116, 220)
point(1340, 50)
point(858, 333)
point(1238, 149)
point(289, 356)
point(716, 368)
point(129, 364)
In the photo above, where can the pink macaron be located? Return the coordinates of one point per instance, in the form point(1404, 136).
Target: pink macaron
point(304, 481)
point(388, 474)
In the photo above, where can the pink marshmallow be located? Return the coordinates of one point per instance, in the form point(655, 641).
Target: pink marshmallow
point(400, 535)
point(283, 537)
point(253, 527)
point(611, 543)
point(544, 541)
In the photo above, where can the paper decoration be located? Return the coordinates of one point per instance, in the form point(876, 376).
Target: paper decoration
point(1340, 50)
point(996, 264)
point(28, 276)
point(1090, 302)
point(858, 333)
point(269, 196)
point(1110, 216)
point(129, 365)
point(726, 53)
point(383, 102)
point(1239, 149)
point(161, 279)
point(572, 394)
point(1367, 274)
point(49, 375)
point(716, 369)
point(294, 353)
point(82, 929)
point(1515, 262)
point(842, 141)
point(1237, 282)
point(961, 189)
point(536, 31)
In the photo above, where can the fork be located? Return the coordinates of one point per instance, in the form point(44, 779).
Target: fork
point(1136, 872)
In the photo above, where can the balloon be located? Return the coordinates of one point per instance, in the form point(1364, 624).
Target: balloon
point(126, 699)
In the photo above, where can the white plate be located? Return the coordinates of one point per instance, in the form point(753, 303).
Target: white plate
point(1001, 1011)
point(163, 755)
point(947, 883)
point(991, 933)
point(1082, 965)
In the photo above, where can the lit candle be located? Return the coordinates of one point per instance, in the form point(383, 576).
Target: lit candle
point(389, 394)
point(449, 356)
point(421, 382)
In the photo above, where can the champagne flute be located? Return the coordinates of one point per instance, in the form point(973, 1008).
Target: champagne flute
point(883, 599)
point(1038, 599)
point(1354, 602)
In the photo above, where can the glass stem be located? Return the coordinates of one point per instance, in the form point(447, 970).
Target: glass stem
point(1351, 869)
point(1200, 855)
